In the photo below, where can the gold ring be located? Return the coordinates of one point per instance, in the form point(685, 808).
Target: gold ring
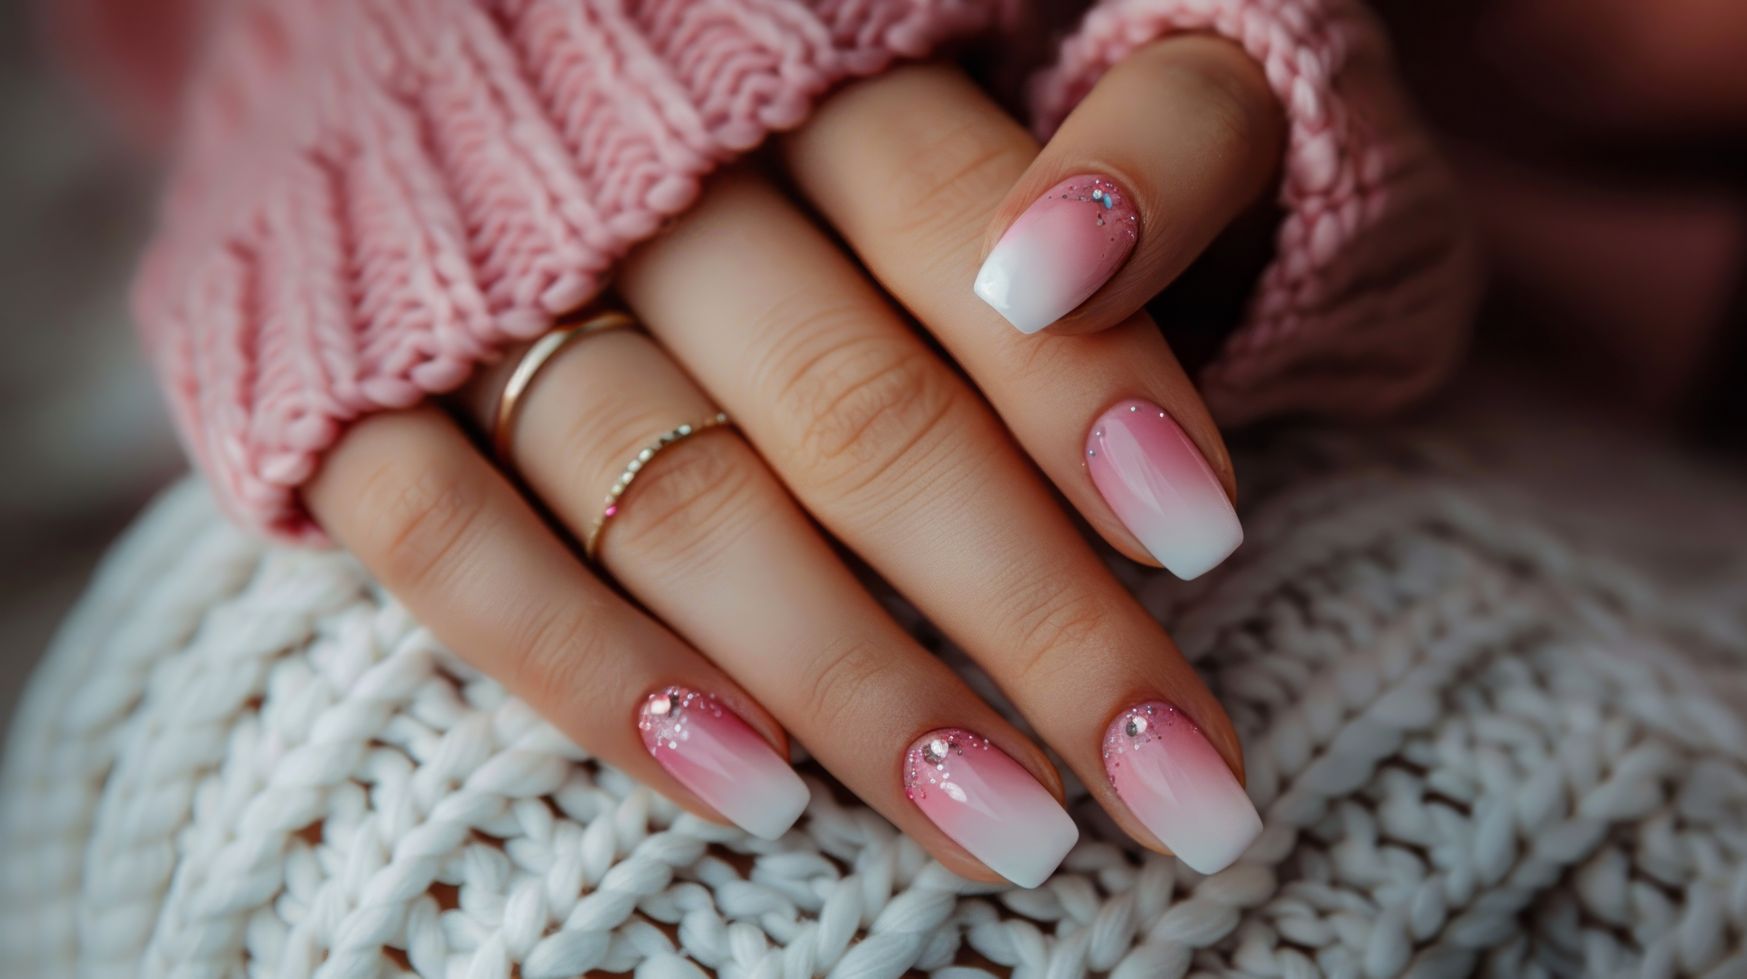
point(610, 507)
point(529, 367)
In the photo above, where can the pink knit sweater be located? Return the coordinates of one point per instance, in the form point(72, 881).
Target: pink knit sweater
point(370, 198)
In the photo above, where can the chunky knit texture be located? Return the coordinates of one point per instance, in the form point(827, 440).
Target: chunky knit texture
point(372, 197)
point(1492, 728)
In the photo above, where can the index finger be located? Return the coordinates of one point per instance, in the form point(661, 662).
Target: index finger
point(911, 168)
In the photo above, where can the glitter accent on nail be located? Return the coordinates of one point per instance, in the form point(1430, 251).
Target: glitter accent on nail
point(1059, 251)
point(1106, 196)
point(925, 765)
point(665, 717)
point(1140, 726)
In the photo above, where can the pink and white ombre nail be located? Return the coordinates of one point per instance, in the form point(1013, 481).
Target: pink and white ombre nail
point(711, 751)
point(989, 804)
point(1068, 243)
point(1173, 781)
point(1149, 471)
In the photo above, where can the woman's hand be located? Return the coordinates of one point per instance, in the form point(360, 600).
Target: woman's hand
point(746, 623)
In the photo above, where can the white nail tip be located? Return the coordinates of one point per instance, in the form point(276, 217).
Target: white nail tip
point(1192, 553)
point(779, 806)
point(994, 286)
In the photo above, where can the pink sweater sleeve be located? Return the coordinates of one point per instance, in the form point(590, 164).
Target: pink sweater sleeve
point(370, 198)
point(1369, 297)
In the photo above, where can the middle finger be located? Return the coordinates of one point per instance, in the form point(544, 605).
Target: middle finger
point(706, 539)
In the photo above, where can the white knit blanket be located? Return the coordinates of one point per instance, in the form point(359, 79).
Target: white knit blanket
point(1492, 725)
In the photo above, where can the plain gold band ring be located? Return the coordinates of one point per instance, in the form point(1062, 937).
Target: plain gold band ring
point(533, 359)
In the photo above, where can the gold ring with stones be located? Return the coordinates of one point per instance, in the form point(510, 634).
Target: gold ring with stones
point(610, 507)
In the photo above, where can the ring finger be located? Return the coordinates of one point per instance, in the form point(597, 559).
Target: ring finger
point(707, 539)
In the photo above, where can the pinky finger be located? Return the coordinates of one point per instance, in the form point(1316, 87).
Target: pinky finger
point(454, 541)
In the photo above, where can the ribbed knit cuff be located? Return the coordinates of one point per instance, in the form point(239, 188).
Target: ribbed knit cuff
point(1367, 302)
point(371, 197)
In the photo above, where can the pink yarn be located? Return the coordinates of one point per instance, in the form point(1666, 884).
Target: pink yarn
point(372, 197)
point(1367, 303)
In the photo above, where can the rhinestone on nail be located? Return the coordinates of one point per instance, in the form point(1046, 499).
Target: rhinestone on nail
point(668, 716)
point(926, 764)
point(1138, 726)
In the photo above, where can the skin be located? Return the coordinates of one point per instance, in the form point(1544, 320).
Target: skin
point(847, 418)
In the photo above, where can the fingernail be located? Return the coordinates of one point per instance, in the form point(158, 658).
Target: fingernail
point(1173, 781)
point(1068, 243)
point(1163, 491)
point(711, 751)
point(989, 804)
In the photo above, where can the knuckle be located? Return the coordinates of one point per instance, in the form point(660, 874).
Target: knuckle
point(427, 513)
point(952, 177)
point(599, 433)
point(1046, 623)
point(556, 650)
point(690, 502)
point(1240, 112)
point(865, 408)
point(837, 680)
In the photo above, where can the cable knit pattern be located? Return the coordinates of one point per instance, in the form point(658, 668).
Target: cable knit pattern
point(371, 197)
point(1487, 736)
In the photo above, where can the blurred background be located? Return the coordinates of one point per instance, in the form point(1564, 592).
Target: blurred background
point(84, 437)
point(1603, 144)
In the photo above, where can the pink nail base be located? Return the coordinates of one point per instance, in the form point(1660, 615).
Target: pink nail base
point(708, 749)
point(1157, 483)
point(1170, 777)
point(989, 804)
point(1060, 251)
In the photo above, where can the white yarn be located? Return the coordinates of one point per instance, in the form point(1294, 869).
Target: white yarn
point(1484, 740)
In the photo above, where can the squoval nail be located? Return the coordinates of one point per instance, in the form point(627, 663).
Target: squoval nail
point(1168, 774)
point(989, 804)
point(708, 749)
point(1057, 253)
point(1155, 480)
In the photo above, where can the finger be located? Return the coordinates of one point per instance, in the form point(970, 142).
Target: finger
point(706, 539)
point(894, 453)
point(406, 493)
point(1169, 147)
point(910, 168)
